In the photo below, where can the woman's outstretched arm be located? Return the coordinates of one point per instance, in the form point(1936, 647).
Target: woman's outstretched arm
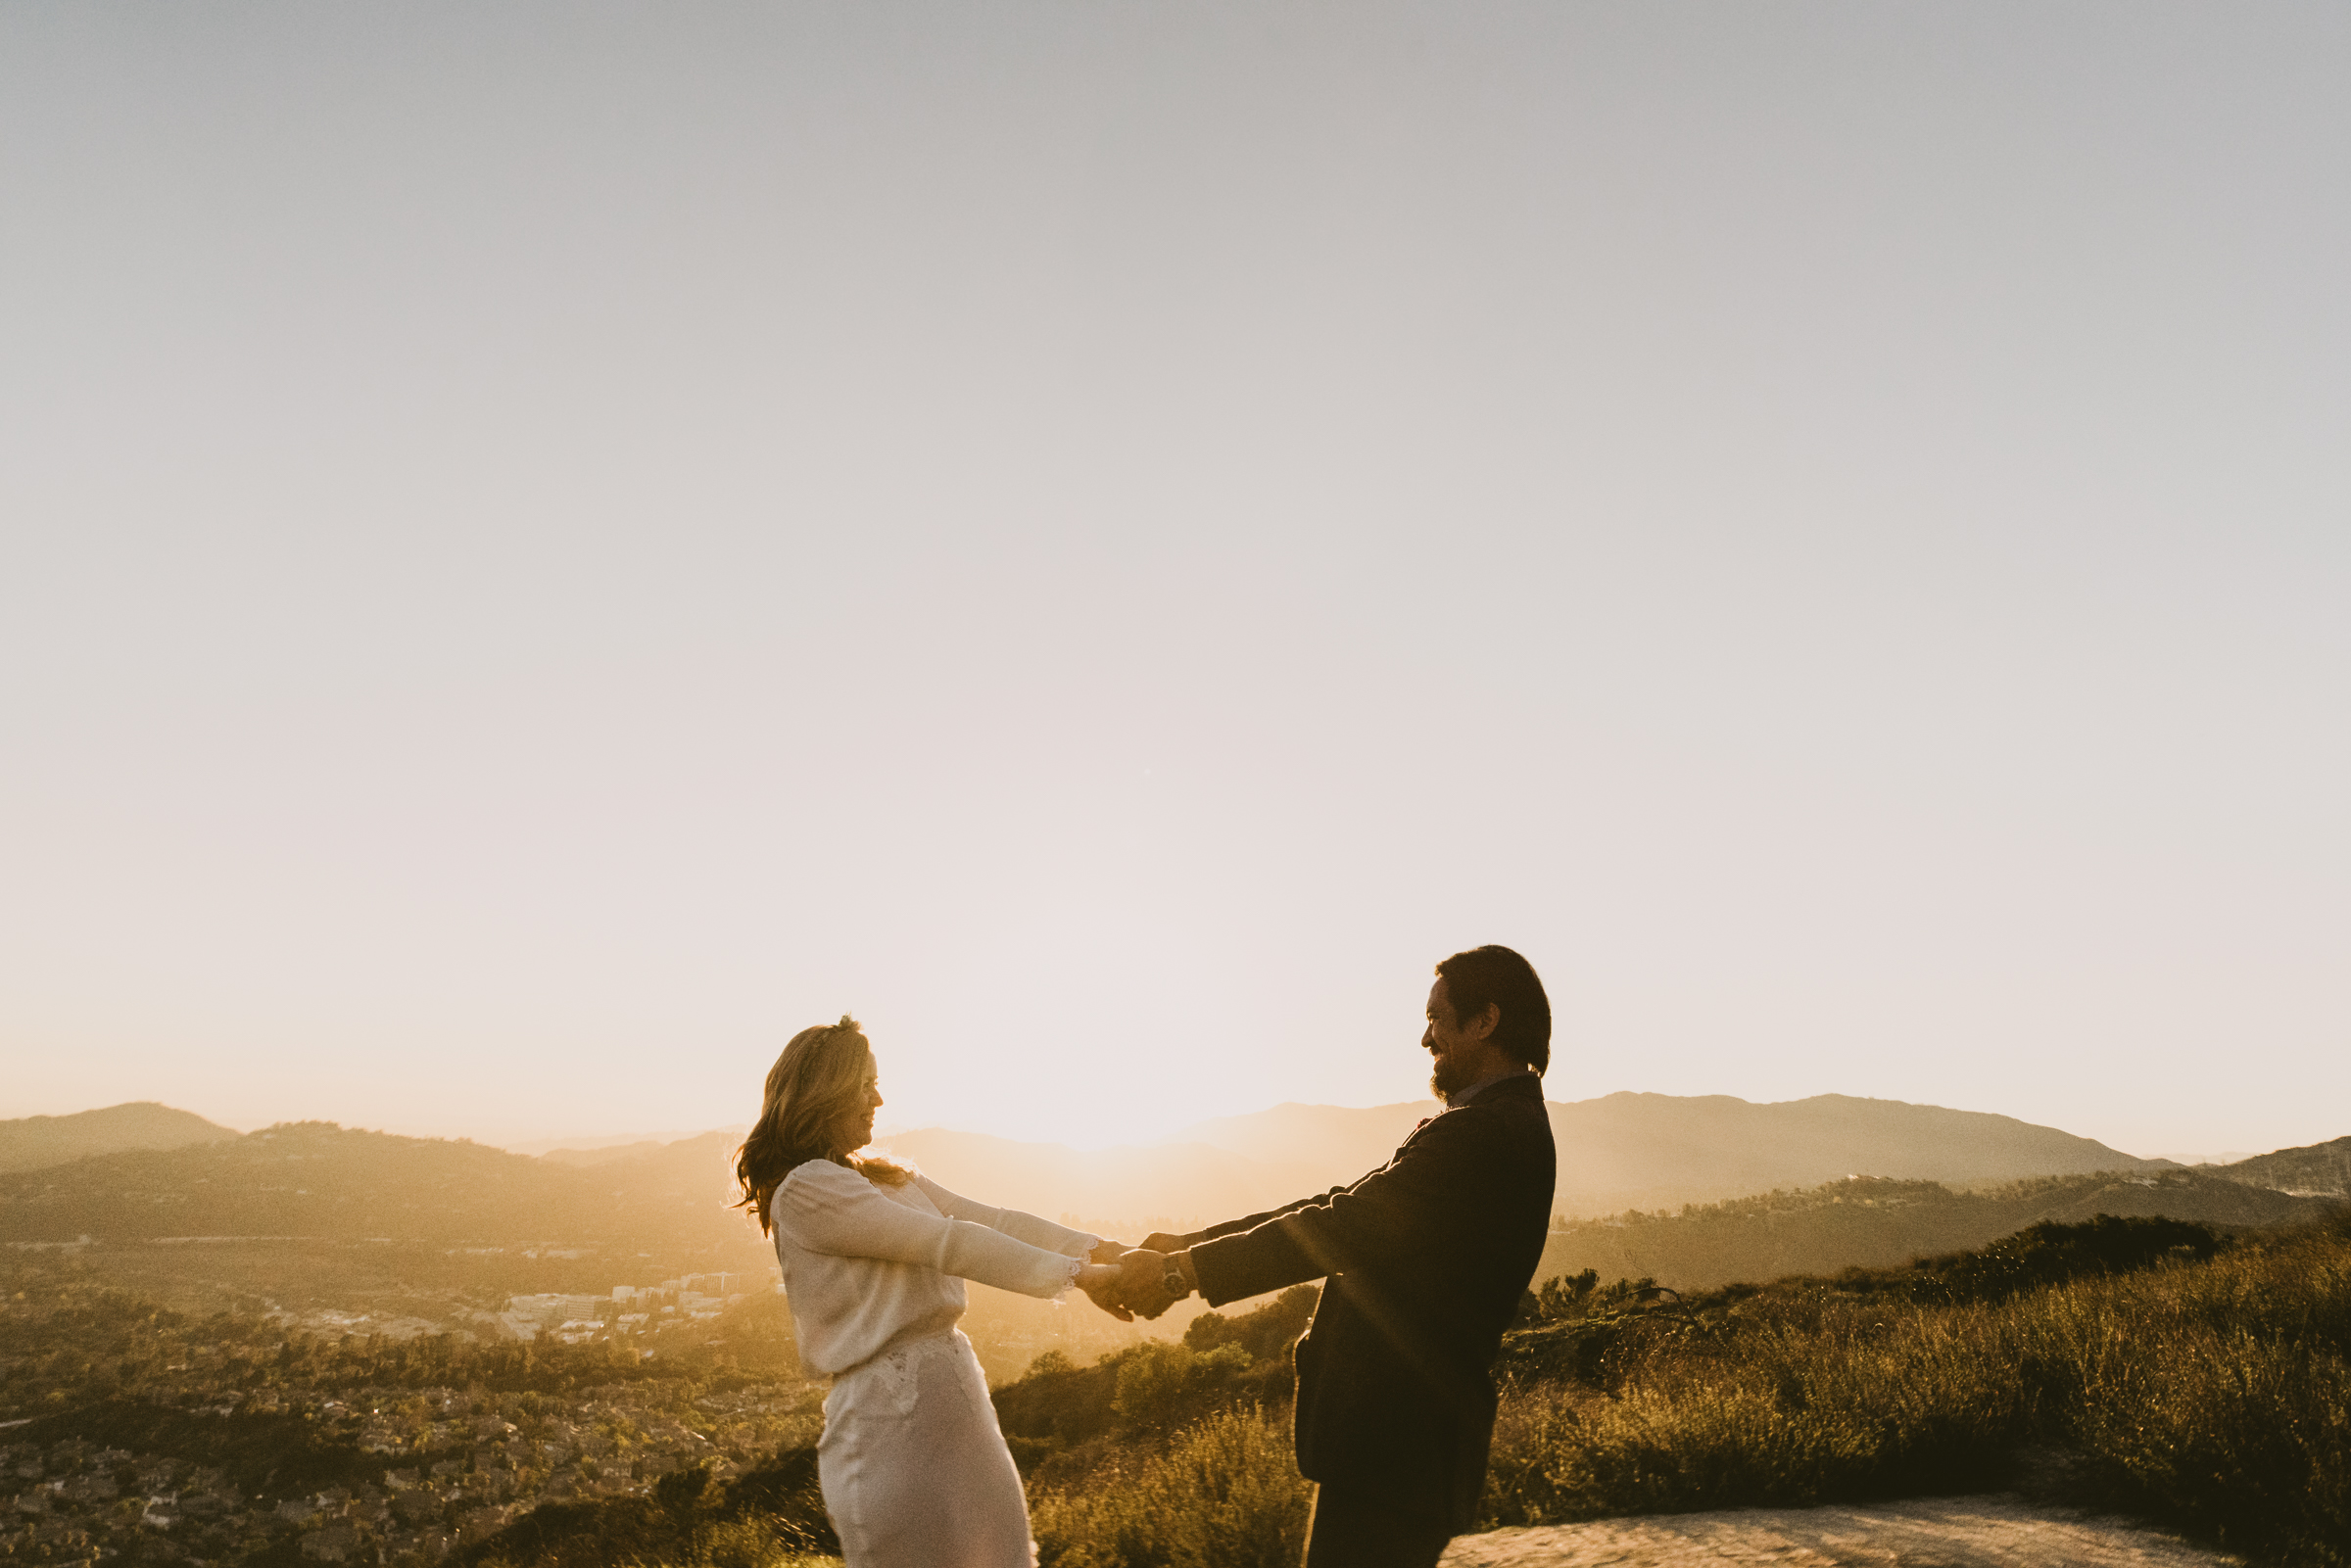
point(1011, 1222)
point(827, 1207)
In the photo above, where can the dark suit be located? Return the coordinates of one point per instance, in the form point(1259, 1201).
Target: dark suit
point(1425, 1259)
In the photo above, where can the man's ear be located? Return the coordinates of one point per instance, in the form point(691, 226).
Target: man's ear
point(1482, 1027)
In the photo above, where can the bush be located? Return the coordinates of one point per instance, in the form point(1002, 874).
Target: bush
point(1224, 1493)
point(1267, 1333)
point(1061, 1417)
point(2050, 1252)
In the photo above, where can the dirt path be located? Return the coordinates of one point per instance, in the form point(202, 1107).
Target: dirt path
point(1987, 1531)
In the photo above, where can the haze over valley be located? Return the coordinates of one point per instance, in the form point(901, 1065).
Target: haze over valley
point(346, 1230)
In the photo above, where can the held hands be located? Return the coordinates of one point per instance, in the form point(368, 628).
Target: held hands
point(1143, 1281)
point(1098, 1276)
point(1100, 1282)
point(1128, 1283)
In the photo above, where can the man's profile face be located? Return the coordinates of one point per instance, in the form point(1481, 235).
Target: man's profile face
point(1457, 1058)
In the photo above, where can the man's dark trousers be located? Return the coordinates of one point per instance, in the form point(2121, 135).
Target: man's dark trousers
point(1379, 1525)
point(1424, 1261)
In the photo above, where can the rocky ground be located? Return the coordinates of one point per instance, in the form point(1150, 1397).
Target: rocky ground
point(1980, 1532)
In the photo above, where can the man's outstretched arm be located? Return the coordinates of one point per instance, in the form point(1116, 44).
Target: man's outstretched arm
point(1162, 1241)
point(1407, 1210)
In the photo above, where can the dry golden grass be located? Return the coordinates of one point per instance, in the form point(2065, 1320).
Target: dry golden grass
point(2212, 1396)
point(1223, 1494)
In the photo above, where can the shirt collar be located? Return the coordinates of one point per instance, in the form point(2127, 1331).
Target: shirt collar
point(1454, 1101)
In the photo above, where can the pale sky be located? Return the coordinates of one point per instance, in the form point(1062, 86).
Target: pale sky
point(549, 545)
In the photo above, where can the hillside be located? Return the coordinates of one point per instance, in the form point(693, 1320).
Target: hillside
point(336, 1230)
point(1135, 1191)
point(1658, 1150)
point(331, 1225)
point(1870, 1224)
point(1624, 1151)
point(402, 1234)
point(1621, 1152)
point(2319, 1169)
point(29, 1143)
point(315, 1180)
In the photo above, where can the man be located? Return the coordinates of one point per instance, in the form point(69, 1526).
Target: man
point(1424, 1260)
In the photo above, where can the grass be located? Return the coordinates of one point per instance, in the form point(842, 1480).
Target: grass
point(1223, 1494)
point(2214, 1396)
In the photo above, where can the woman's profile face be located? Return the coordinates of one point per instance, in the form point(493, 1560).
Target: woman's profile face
point(869, 1101)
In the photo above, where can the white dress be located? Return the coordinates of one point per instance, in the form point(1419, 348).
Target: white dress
point(912, 1463)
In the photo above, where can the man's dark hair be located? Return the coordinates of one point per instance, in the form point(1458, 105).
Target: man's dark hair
point(1496, 976)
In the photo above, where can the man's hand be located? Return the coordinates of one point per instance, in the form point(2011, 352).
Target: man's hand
point(1143, 1281)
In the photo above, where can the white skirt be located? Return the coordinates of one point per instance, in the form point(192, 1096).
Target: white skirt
point(913, 1464)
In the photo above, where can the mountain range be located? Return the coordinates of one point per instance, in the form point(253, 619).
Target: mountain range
point(29, 1143)
point(2314, 1170)
point(1863, 1223)
point(1618, 1152)
point(315, 1219)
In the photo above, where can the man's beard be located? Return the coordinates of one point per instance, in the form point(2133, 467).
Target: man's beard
point(1448, 1081)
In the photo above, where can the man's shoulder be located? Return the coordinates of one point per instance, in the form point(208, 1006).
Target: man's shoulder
point(1516, 1101)
point(1508, 1115)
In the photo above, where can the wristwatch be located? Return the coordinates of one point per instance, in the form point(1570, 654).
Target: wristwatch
point(1171, 1277)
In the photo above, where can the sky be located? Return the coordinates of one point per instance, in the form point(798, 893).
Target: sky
point(547, 547)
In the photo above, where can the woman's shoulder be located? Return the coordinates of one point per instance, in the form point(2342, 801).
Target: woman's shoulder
point(822, 1174)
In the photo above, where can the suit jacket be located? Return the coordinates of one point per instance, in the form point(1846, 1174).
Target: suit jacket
point(1425, 1261)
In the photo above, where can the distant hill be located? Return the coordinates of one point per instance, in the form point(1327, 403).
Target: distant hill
point(1143, 1189)
point(2318, 1170)
point(320, 1220)
point(1877, 1224)
point(1656, 1151)
point(597, 1144)
point(1624, 1152)
point(29, 1143)
point(315, 1180)
point(582, 1158)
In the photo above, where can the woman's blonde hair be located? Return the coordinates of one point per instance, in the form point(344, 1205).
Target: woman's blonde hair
point(815, 1092)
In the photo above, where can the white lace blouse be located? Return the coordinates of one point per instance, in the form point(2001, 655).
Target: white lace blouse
point(867, 1266)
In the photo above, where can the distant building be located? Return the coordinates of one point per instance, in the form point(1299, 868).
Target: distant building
point(551, 1310)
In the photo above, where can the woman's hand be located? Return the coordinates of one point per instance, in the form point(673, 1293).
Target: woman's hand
point(1108, 1252)
point(1100, 1282)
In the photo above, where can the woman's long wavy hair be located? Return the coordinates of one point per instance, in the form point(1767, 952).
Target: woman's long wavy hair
point(815, 1093)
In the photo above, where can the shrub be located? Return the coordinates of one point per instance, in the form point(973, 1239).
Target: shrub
point(1224, 1493)
point(1267, 1333)
point(1060, 1417)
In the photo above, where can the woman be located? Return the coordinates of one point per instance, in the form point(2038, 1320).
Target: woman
point(913, 1465)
